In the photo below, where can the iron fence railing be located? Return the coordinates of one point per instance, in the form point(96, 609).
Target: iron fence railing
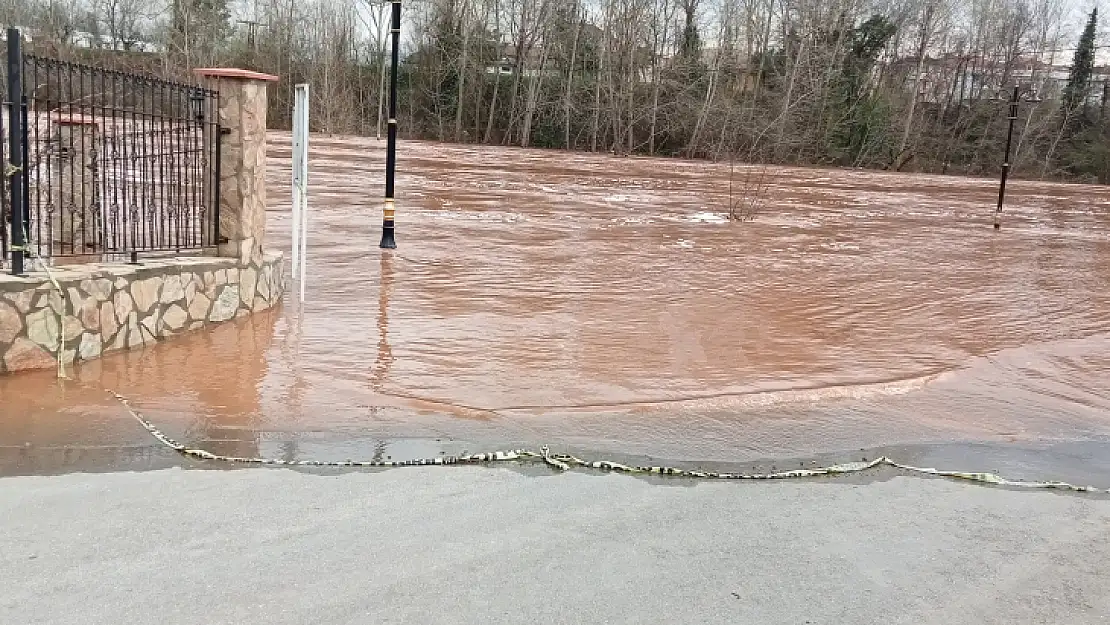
point(113, 164)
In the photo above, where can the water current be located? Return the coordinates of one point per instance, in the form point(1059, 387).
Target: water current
point(609, 304)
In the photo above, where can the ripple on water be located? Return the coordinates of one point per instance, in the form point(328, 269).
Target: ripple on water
point(609, 302)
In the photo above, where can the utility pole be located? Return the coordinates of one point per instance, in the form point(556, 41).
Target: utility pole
point(252, 28)
point(1006, 160)
point(388, 242)
point(1012, 117)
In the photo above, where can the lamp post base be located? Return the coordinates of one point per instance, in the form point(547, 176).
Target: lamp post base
point(388, 242)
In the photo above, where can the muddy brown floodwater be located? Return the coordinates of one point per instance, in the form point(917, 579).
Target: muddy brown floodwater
point(607, 304)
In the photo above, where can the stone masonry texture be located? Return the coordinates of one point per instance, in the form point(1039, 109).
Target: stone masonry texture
point(105, 307)
point(242, 113)
point(115, 306)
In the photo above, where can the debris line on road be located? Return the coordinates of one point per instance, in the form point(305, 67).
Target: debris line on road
point(566, 462)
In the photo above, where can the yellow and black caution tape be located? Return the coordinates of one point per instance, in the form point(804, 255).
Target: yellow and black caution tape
point(565, 462)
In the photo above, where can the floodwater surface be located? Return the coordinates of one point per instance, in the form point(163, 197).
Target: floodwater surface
point(609, 304)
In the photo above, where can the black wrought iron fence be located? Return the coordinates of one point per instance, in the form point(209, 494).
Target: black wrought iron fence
point(113, 163)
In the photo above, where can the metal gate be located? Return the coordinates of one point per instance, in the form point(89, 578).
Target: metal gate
point(102, 164)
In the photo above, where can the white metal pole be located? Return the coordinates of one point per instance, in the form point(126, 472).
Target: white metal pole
point(296, 230)
point(304, 189)
point(295, 183)
point(304, 240)
point(300, 184)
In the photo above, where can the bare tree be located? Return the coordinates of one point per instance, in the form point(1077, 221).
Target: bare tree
point(910, 84)
point(926, 32)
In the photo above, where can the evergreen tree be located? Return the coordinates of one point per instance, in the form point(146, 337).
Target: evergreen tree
point(864, 116)
point(1082, 66)
point(690, 47)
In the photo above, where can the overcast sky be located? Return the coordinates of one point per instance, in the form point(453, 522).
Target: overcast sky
point(1075, 17)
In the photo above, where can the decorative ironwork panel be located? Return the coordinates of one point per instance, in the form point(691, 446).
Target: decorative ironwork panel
point(115, 163)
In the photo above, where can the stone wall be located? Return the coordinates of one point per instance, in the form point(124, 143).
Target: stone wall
point(108, 307)
point(120, 306)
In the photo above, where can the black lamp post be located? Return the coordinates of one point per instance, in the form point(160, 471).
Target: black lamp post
point(1013, 115)
point(388, 242)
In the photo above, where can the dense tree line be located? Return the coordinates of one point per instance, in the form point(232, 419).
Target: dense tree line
point(913, 85)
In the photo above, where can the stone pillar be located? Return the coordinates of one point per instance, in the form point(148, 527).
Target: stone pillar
point(242, 116)
point(74, 207)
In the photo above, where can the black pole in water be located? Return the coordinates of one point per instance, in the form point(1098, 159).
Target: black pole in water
point(14, 168)
point(388, 242)
point(1006, 160)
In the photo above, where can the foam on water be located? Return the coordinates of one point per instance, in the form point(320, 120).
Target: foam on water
point(608, 296)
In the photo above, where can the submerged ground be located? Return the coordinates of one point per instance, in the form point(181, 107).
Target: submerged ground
point(606, 306)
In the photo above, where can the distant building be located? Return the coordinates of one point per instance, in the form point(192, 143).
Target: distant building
point(507, 63)
point(23, 30)
point(958, 78)
point(85, 39)
point(91, 41)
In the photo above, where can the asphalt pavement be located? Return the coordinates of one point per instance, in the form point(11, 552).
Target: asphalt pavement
point(504, 545)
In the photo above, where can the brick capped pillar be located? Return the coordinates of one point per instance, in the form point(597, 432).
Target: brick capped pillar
point(242, 116)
